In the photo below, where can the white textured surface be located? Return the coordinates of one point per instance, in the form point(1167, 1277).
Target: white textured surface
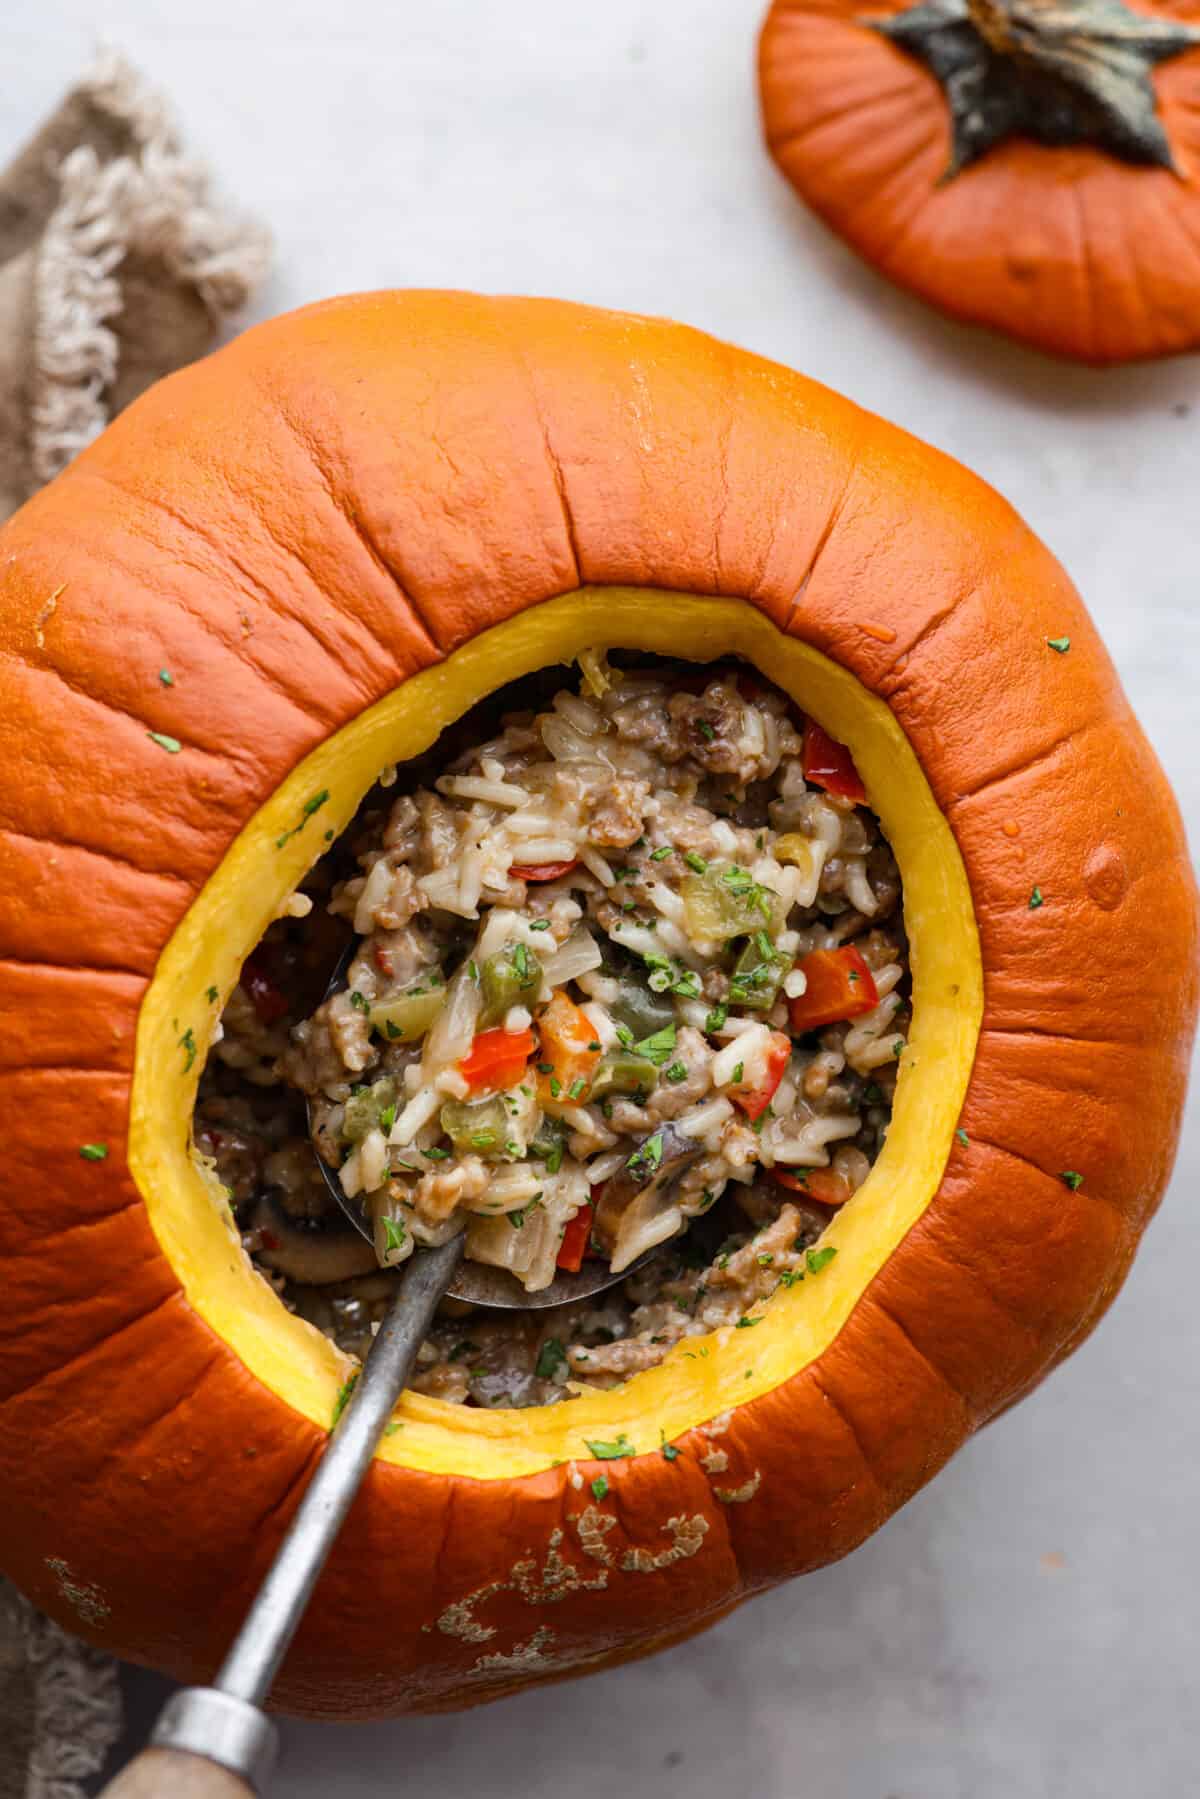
point(610, 153)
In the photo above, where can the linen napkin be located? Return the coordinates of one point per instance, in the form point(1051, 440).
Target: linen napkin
point(117, 265)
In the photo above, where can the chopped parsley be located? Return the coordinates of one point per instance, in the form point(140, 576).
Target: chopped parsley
point(1037, 898)
point(187, 1043)
point(172, 745)
point(676, 1072)
point(309, 807)
point(93, 1152)
point(658, 1047)
point(817, 1259)
point(716, 1018)
point(211, 995)
point(898, 1047)
point(962, 1137)
point(344, 1393)
point(747, 1324)
point(1071, 1179)
point(600, 1486)
point(395, 1236)
point(551, 1357)
point(1061, 644)
point(387, 1117)
point(166, 677)
point(669, 1451)
point(611, 1452)
point(359, 1001)
point(645, 1160)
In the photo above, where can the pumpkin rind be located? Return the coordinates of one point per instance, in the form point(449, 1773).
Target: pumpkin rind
point(295, 527)
point(1067, 248)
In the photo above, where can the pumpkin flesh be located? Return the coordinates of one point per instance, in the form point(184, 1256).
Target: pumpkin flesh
point(192, 1221)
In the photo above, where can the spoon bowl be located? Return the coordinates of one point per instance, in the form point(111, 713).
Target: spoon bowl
point(477, 1282)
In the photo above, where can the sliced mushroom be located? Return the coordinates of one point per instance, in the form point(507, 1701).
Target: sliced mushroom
point(316, 1248)
point(633, 1211)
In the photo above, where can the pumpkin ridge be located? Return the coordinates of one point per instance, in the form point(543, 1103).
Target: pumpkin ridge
point(104, 855)
point(881, 1484)
point(332, 487)
point(60, 1370)
point(84, 1224)
point(558, 473)
point(1094, 1194)
point(50, 670)
point(1010, 772)
point(969, 1406)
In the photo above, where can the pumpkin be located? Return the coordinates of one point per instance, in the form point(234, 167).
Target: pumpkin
point(297, 562)
point(1030, 165)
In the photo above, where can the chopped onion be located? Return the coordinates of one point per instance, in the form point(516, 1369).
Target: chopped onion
point(454, 1027)
point(578, 955)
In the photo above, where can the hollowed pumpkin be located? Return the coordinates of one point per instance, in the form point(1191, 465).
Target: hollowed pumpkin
point(297, 562)
point(1031, 165)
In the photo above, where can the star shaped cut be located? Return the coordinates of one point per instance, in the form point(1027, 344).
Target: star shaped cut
point(1057, 71)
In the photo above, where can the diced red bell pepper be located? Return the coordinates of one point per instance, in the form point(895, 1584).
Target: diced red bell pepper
point(755, 1100)
point(830, 765)
point(840, 985)
point(264, 995)
point(821, 1184)
point(576, 1237)
point(543, 871)
point(496, 1060)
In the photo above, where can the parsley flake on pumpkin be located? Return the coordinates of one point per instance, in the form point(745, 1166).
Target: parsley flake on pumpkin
point(611, 1452)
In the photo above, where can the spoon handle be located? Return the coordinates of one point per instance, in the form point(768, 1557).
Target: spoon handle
point(222, 1722)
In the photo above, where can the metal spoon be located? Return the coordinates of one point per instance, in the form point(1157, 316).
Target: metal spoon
point(215, 1742)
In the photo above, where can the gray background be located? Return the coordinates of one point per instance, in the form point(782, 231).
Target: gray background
point(1029, 1624)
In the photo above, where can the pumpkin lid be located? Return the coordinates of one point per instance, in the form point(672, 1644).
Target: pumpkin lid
point(1030, 165)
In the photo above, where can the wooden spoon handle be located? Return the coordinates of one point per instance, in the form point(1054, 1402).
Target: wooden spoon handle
point(174, 1774)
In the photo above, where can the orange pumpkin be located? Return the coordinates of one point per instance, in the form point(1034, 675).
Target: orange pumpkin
point(296, 562)
point(1032, 165)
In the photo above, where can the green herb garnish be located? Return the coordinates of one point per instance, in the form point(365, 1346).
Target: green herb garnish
point(658, 1047)
point(962, 1137)
point(600, 1486)
point(93, 1152)
point(1071, 1179)
point(1037, 898)
point(611, 1452)
point(1061, 644)
point(343, 1398)
point(551, 1357)
point(172, 745)
point(394, 1234)
point(819, 1258)
point(306, 812)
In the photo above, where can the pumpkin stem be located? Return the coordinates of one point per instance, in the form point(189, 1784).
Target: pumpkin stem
point(1056, 71)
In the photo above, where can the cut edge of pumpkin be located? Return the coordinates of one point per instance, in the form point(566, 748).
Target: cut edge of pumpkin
point(702, 1377)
